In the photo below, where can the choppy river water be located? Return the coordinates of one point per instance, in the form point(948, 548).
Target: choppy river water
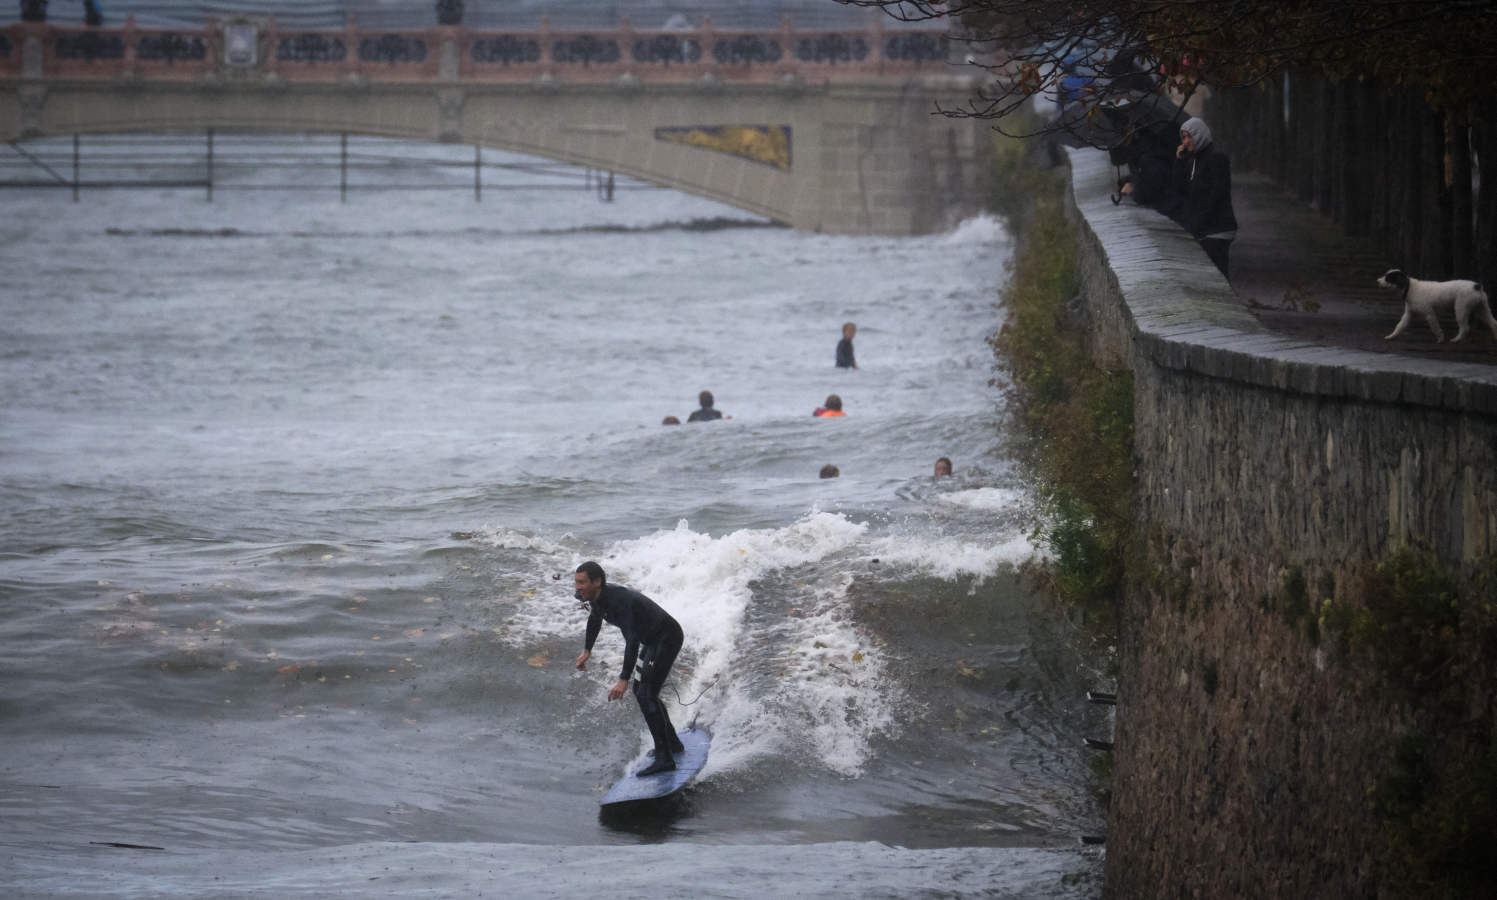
point(287, 485)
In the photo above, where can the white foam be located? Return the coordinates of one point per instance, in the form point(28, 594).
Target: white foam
point(949, 557)
point(987, 498)
point(501, 538)
point(850, 701)
point(982, 229)
point(804, 678)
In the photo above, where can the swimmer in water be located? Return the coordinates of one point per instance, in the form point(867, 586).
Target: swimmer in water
point(832, 408)
point(706, 413)
point(845, 359)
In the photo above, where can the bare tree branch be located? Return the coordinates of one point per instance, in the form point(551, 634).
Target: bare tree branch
point(1099, 55)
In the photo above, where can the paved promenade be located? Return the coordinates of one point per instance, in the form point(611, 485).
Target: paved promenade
point(1301, 277)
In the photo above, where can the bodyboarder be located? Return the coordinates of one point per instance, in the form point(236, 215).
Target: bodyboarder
point(651, 636)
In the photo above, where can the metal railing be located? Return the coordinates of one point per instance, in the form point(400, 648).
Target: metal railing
point(210, 161)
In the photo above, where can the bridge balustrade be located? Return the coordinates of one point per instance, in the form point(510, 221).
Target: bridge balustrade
point(447, 53)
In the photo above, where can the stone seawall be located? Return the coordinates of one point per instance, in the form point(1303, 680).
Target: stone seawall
point(1270, 472)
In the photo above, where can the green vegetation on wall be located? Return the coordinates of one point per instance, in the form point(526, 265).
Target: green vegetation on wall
point(1432, 638)
point(1075, 420)
point(1421, 629)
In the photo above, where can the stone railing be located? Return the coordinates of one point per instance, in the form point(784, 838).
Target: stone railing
point(250, 49)
point(1272, 473)
point(1269, 442)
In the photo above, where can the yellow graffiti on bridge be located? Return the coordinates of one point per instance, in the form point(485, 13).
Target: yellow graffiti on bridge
point(766, 144)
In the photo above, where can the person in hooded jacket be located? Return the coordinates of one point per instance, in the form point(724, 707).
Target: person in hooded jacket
point(1203, 179)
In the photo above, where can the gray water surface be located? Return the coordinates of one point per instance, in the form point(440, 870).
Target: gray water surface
point(288, 485)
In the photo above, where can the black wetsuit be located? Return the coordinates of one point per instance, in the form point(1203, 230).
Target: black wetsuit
point(844, 354)
point(705, 414)
point(652, 638)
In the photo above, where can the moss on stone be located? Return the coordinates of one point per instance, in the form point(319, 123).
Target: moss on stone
point(1409, 620)
point(1294, 604)
point(1210, 677)
point(1440, 815)
point(1075, 434)
point(1431, 635)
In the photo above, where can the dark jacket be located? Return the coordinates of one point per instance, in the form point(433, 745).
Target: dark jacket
point(1153, 184)
point(1204, 182)
point(845, 358)
point(637, 616)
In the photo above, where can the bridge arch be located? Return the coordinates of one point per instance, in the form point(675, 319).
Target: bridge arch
point(858, 151)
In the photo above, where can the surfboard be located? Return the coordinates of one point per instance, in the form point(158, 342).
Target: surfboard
point(688, 762)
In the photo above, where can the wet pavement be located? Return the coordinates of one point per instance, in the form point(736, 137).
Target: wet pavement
point(1303, 278)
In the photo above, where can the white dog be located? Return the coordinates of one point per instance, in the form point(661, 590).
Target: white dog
point(1430, 298)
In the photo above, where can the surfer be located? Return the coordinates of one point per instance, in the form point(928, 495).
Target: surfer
point(651, 635)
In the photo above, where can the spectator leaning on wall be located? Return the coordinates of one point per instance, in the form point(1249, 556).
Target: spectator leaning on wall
point(1203, 179)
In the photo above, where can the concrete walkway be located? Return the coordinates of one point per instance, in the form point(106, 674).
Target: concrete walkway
point(1303, 278)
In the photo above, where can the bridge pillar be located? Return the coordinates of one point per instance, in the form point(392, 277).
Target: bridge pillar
point(891, 165)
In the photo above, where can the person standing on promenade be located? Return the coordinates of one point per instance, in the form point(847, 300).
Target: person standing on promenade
point(1203, 179)
point(845, 359)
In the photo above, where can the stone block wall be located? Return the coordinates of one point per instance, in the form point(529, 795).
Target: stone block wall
point(1245, 750)
point(887, 164)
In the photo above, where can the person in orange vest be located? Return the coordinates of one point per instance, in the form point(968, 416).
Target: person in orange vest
point(833, 408)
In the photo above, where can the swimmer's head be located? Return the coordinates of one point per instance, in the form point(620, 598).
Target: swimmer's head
point(849, 329)
point(705, 398)
point(670, 420)
point(829, 471)
point(833, 402)
point(943, 467)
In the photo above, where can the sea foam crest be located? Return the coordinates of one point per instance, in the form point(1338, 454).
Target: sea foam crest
point(992, 499)
point(501, 538)
point(801, 680)
point(953, 557)
point(980, 229)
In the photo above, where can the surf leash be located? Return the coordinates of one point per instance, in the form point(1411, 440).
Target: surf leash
point(710, 685)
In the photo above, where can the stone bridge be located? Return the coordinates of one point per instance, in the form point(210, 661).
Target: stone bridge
point(830, 131)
